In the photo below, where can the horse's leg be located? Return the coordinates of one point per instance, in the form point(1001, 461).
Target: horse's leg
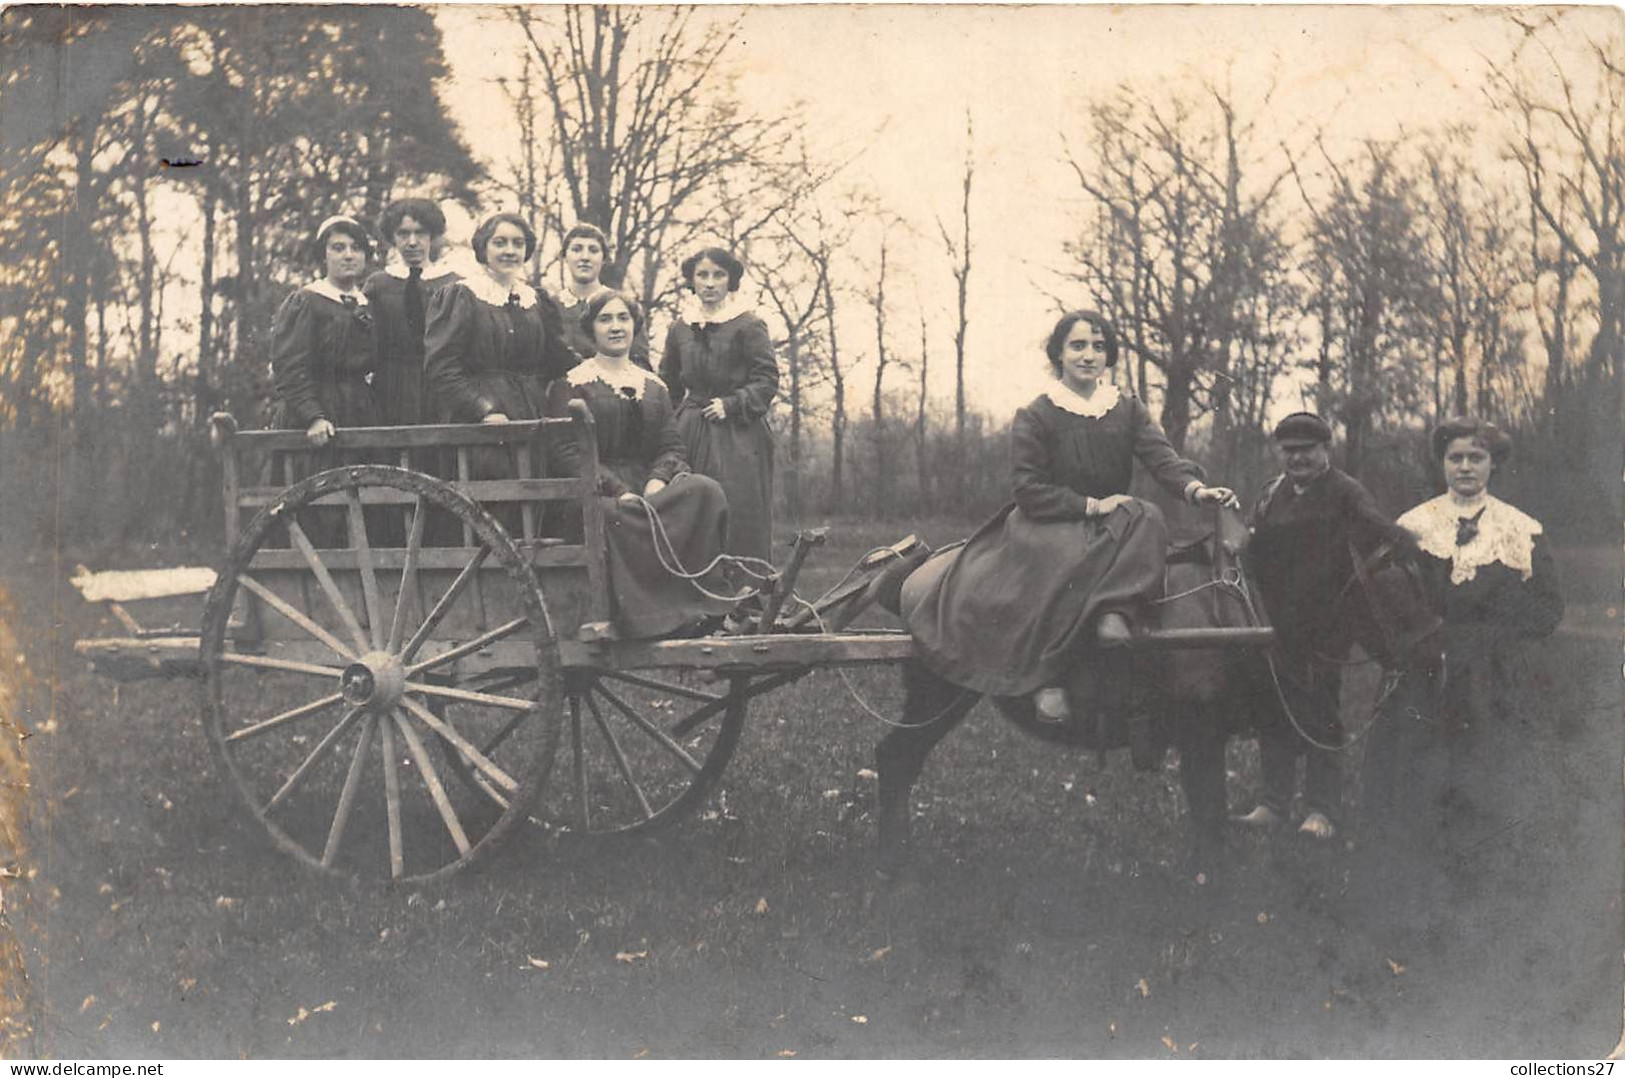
point(931, 708)
point(1200, 737)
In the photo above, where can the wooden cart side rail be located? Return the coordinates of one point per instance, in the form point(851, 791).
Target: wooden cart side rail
point(445, 435)
point(131, 659)
point(527, 490)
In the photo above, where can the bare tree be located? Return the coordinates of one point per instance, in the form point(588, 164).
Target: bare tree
point(1183, 238)
point(877, 415)
point(959, 252)
point(648, 126)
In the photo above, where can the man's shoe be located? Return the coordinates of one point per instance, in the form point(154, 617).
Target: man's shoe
point(1051, 705)
point(1317, 826)
point(1260, 816)
point(1113, 631)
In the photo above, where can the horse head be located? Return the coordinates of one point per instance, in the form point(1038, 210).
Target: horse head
point(1387, 605)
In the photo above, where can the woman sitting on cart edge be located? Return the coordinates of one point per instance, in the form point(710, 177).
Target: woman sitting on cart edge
point(1073, 558)
point(719, 366)
point(663, 523)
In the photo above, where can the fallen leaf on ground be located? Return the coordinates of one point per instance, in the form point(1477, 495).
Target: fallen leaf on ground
point(640, 1053)
point(860, 1019)
point(225, 902)
point(1145, 989)
point(787, 1053)
point(105, 889)
point(866, 773)
point(304, 1014)
point(1167, 1042)
point(831, 795)
point(188, 983)
point(761, 906)
point(539, 963)
point(876, 956)
point(1111, 1027)
point(156, 1026)
point(630, 956)
point(1396, 968)
point(90, 1001)
point(1263, 918)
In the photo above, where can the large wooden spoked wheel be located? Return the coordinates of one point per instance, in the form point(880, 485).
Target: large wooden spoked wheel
point(328, 725)
point(635, 750)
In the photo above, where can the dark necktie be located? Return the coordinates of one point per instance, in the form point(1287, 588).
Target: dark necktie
point(1467, 527)
point(414, 301)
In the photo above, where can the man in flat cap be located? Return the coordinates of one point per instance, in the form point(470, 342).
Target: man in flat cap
point(1303, 525)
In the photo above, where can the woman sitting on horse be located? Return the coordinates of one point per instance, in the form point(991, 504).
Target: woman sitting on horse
point(663, 522)
point(1074, 558)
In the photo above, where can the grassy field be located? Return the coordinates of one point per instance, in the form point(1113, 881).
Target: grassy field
point(1042, 915)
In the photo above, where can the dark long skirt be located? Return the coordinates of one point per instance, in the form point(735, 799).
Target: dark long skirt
point(1008, 612)
point(738, 454)
point(647, 598)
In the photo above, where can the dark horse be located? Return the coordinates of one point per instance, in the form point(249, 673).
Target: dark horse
point(1194, 699)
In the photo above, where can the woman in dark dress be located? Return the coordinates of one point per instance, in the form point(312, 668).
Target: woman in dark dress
point(323, 352)
point(720, 369)
point(493, 342)
point(586, 249)
point(1447, 770)
point(399, 294)
point(642, 465)
point(1074, 557)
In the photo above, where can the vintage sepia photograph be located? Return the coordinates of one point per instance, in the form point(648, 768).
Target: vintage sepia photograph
point(811, 532)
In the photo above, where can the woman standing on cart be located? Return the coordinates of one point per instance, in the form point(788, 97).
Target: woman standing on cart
point(399, 294)
point(493, 342)
point(719, 367)
point(323, 352)
point(1074, 558)
point(586, 249)
point(661, 520)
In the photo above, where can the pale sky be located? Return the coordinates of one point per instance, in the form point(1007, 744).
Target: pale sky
point(1027, 74)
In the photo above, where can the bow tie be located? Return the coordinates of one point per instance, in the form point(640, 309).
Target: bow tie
point(513, 301)
point(349, 301)
point(1467, 527)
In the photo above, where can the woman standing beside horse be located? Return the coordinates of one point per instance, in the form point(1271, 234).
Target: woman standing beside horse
point(1446, 771)
point(1073, 559)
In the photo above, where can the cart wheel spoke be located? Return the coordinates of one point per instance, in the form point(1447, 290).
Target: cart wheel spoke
point(369, 575)
point(269, 662)
point(462, 744)
point(303, 770)
point(444, 604)
point(620, 758)
point(392, 799)
point(484, 640)
point(267, 725)
point(578, 767)
point(431, 779)
point(446, 692)
point(335, 598)
point(409, 574)
point(662, 686)
point(352, 783)
point(287, 610)
point(652, 730)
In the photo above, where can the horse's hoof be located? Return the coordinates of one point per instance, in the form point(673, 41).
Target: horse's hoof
point(1260, 816)
point(1317, 827)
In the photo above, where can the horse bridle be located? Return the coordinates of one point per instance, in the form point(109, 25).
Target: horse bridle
point(1396, 643)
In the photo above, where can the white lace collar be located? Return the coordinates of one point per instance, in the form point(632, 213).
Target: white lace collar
point(1070, 400)
point(628, 378)
point(693, 311)
point(486, 288)
point(1505, 535)
point(329, 290)
point(401, 271)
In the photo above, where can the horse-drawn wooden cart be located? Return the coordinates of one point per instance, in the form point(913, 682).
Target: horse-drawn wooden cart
point(438, 639)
